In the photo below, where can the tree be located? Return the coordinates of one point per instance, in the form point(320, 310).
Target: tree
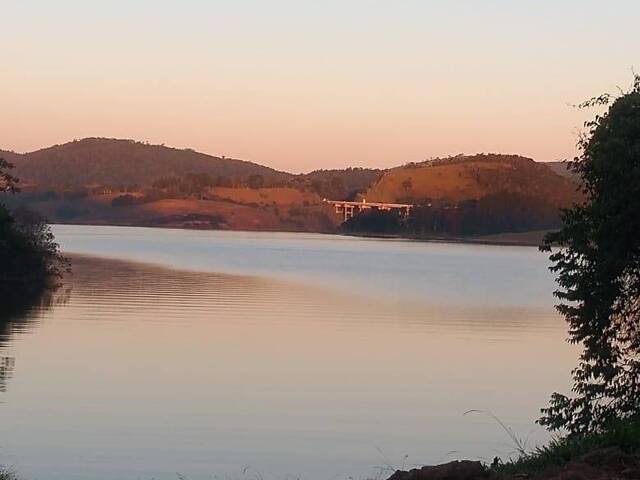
point(30, 259)
point(598, 268)
point(256, 181)
point(8, 183)
point(374, 221)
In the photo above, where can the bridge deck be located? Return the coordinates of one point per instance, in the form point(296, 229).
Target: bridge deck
point(350, 209)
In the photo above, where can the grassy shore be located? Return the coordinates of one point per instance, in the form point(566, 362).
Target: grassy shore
point(613, 451)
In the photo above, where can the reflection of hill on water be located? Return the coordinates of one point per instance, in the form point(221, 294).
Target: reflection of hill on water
point(19, 314)
point(116, 289)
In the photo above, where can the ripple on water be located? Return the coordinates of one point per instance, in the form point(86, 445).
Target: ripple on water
point(144, 371)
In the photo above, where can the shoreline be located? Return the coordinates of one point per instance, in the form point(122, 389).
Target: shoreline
point(507, 239)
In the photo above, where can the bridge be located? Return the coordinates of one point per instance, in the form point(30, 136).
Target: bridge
point(351, 209)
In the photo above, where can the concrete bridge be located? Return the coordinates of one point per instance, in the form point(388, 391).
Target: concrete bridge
point(351, 209)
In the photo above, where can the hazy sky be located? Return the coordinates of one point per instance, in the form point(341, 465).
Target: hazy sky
point(300, 85)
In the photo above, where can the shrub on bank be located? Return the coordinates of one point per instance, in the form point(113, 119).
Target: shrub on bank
point(30, 258)
point(615, 447)
point(8, 474)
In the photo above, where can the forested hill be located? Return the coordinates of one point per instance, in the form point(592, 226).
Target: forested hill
point(339, 184)
point(122, 182)
point(114, 162)
point(470, 195)
point(473, 177)
point(10, 156)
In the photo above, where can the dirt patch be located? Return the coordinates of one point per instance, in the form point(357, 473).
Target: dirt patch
point(601, 464)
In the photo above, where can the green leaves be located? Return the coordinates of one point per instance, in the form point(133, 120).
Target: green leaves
point(597, 261)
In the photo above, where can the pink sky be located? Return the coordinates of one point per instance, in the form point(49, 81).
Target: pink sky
point(299, 86)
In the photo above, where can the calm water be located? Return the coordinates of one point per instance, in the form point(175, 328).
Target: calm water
point(245, 355)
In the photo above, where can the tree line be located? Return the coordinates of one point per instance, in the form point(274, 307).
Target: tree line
point(495, 213)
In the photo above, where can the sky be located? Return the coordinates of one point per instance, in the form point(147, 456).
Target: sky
point(300, 85)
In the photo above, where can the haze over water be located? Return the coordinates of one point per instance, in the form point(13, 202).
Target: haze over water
point(295, 355)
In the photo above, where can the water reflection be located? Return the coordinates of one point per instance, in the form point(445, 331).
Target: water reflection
point(116, 290)
point(20, 315)
point(6, 371)
point(443, 274)
point(146, 371)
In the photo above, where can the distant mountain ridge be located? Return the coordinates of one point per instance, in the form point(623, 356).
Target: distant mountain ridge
point(562, 169)
point(114, 162)
point(123, 182)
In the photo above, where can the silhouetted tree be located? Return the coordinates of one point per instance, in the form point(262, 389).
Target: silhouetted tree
point(30, 260)
point(374, 221)
point(495, 213)
point(598, 267)
point(8, 183)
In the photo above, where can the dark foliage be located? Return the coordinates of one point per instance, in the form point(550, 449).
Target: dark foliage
point(374, 221)
point(343, 184)
point(495, 213)
point(29, 257)
point(256, 181)
point(8, 183)
point(126, 200)
point(598, 267)
point(199, 185)
point(612, 443)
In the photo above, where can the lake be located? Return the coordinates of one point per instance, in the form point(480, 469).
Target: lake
point(214, 354)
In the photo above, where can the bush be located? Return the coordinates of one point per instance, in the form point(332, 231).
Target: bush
point(623, 435)
point(30, 258)
point(598, 271)
point(374, 221)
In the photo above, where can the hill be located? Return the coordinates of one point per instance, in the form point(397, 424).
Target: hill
point(473, 177)
point(338, 184)
point(10, 156)
point(466, 196)
point(562, 169)
point(113, 163)
point(122, 182)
